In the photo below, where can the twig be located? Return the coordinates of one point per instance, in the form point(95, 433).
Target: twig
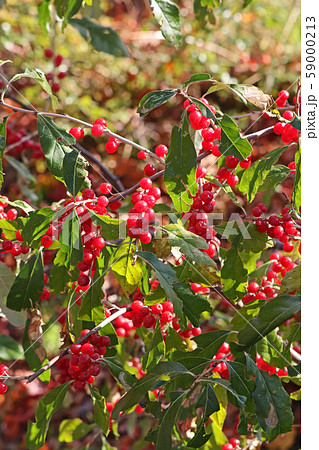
point(54, 360)
point(83, 123)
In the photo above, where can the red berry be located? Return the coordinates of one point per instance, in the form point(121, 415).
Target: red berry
point(105, 188)
point(88, 194)
point(201, 172)
point(157, 308)
point(75, 348)
point(58, 60)
point(84, 361)
point(7, 244)
point(97, 130)
point(146, 183)
point(234, 442)
point(3, 388)
point(278, 128)
point(288, 247)
point(168, 306)
point(45, 294)
point(145, 237)
point(55, 87)
point(100, 121)
point(48, 53)
point(83, 280)
point(46, 241)
point(256, 211)
point(149, 170)
point(142, 155)
point(166, 317)
point(253, 287)
point(288, 115)
point(161, 150)
point(84, 332)
point(77, 132)
point(87, 349)
point(149, 321)
point(79, 385)
point(227, 447)
point(105, 341)
point(232, 180)
point(12, 214)
point(111, 146)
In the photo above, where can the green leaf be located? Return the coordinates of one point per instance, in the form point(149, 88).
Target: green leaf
point(28, 285)
point(9, 228)
point(126, 268)
point(170, 418)
point(196, 78)
point(296, 122)
point(233, 275)
point(245, 314)
point(166, 14)
point(21, 168)
point(231, 142)
point(257, 241)
point(146, 383)
point(209, 404)
point(74, 171)
point(73, 429)
point(271, 315)
point(270, 348)
point(196, 273)
point(17, 319)
point(103, 39)
point(101, 415)
point(55, 143)
point(10, 350)
point(59, 275)
point(203, 14)
point(166, 276)
point(3, 141)
point(38, 76)
point(44, 15)
point(70, 239)
point(193, 304)
point(155, 351)
point(208, 343)
point(47, 406)
point(294, 335)
point(91, 305)
point(35, 225)
point(189, 244)
point(110, 226)
point(121, 375)
point(153, 100)
point(180, 168)
point(296, 194)
point(291, 281)
point(273, 405)
point(65, 9)
point(275, 176)
point(174, 341)
point(20, 204)
point(247, 2)
point(254, 176)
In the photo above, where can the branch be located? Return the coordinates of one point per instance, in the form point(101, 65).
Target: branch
point(114, 180)
point(54, 360)
point(27, 109)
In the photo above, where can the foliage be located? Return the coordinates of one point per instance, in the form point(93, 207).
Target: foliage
point(174, 318)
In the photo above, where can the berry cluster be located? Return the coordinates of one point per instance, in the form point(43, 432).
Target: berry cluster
point(82, 365)
point(19, 141)
point(270, 283)
point(141, 216)
point(270, 369)
point(232, 444)
point(221, 368)
point(98, 128)
point(3, 373)
point(282, 227)
point(57, 61)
